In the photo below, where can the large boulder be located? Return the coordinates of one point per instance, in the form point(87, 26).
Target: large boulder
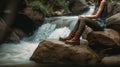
point(16, 35)
point(57, 52)
point(21, 26)
point(111, 60)
point(24, 23)
point(109, 37)
point(36, 16)
point(5, 31)
point(113, 22)
point(113, 8)
point(78, 6)
point(86, 32)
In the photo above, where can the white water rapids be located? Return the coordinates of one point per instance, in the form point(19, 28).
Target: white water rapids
point(54, 27)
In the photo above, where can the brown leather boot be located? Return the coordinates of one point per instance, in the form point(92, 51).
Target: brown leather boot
point(75, 40)
point(70, 36)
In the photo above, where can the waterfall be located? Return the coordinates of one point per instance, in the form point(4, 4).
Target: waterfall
point(53, 27)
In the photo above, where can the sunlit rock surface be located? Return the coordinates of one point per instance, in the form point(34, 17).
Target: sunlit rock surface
point(55, 51)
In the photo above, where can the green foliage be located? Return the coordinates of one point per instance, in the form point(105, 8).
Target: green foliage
point(49, 6)
point(63, 3)
point(37, 5)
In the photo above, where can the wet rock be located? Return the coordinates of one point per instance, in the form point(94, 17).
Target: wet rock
point(55, 51)
point(5, 31)
point(22, 26)
point(16, 35)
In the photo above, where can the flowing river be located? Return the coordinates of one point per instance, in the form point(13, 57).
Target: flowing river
point(19, 53)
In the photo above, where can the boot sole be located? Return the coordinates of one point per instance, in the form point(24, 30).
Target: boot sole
point(61, 39)
point(73, 43)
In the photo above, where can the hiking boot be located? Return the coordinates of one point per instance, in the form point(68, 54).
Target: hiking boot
point(70, 36)
point(75, 40)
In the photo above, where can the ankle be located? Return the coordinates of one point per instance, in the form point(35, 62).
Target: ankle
point(75, 39)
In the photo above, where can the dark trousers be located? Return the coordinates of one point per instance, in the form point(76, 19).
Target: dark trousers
point(80, 25)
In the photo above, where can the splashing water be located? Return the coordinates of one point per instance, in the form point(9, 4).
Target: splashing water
point(16, 53)
point(54, 27)
point(61, 32)
point(20, 53)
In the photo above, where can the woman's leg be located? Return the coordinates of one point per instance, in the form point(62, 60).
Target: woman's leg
point(76, 27)
point(85, 21)
point(93, 24)
point(72, 33)
point(76, 39)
